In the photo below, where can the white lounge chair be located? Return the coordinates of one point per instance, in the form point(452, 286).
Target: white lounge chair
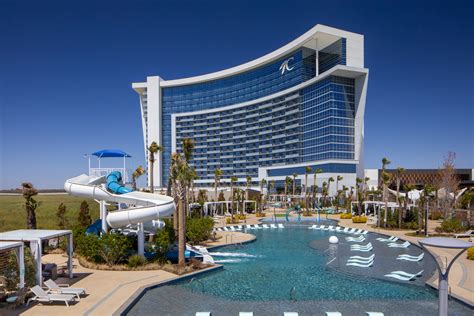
point(290, 314)
point(411, 258)
point(338, 229)
point(391, 239)
point(357, 231)
point(248, 226)
point(312, 227)
point(331, 228)
point(64, 289)
point(226, 229)
point(365, 232)
point(322, 227)
point(346, 230)
point(362, 246)
point(333, 314)
point(257, 226)
point(361, 265)
point(352, 231)
point(363, 250)
point(273, 226)
point(374, 314)
point(219, 229)
point(403, 276)
point(356, 239)
point(203, 314)
point(265, 226)
point(360, 260)
point(239, 227)
point(43, 297)
point(363, 258)
point(466, 234)
point(406, 244)
point(232, 229)
point(281, 226)
point(246, 314)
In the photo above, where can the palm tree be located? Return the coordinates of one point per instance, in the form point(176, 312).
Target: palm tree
point(324, 191)
point(263, 183)
point(398, 174)
point(179, 171)
point(287, 184)
point(386, 178)
point(233, 180)
point(271, 186)
point(154, 148)
point(358, 194)
point(385, 162)
point(217, 179)
point(188, 147)
point(137, 174)
point(315, 189)
point(294, 183)
point(249, 184)
point(338, 178)
point(28, 191)
point(331, 179)
point(307, 170)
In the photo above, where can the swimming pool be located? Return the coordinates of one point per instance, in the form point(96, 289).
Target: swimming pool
point(296, 269)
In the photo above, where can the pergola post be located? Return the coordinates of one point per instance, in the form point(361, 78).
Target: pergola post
point(35, 246)
point(20, 254)
point(141, 240)
point(70, 250)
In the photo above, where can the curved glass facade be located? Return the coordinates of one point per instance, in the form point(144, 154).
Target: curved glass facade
point(311, 124)
point(251, 123)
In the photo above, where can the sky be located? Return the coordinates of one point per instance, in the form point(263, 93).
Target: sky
point(66, 70)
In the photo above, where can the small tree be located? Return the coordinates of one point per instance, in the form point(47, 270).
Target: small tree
point(61, 214)
point(28, 191)
point(137, 174)
point(84, 219)
point(153, 149)
point(449, 182)
point(113, 248)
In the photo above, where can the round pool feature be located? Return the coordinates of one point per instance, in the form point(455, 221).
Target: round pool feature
point(333, 240)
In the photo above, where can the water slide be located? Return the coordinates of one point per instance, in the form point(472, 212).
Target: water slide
point(143, 207)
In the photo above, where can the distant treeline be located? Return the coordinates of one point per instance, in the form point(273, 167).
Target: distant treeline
point(18, 190)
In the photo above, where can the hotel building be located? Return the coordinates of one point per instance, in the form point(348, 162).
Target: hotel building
point(300, 105)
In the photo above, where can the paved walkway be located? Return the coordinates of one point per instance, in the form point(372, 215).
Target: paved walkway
point(107, 290)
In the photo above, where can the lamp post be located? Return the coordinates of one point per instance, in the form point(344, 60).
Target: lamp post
point(426, 215)
point(444, 243)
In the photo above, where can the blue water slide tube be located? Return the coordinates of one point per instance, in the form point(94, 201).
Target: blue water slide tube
point(113, 183)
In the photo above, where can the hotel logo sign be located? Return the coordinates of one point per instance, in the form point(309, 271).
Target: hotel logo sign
point(285, 66)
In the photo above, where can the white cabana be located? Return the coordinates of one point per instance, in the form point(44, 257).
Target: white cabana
point(35, 238)
point(20, 257)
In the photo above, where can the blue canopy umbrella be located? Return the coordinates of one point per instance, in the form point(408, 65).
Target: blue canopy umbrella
point(110, 153)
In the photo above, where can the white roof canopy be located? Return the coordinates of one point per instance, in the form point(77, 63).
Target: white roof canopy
point(33, 234)
point(8, 245)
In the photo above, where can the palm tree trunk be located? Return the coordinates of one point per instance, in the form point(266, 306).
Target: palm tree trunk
point(152, 184)
point(181, 234)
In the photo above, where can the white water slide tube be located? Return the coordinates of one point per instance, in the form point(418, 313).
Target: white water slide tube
point(144, 207)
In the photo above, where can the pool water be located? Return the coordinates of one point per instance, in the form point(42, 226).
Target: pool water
point(279, 260)
point(296, 269)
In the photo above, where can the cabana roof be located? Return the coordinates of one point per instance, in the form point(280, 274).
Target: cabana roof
point(33, 234)
point(7, 245)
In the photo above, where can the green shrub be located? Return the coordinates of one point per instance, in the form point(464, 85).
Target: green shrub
point(451, 225)
point(359, 219)
point(241, 217)
point(163, 240)
point(87, 246)
point(411, 225)
point(346, 216)
point(199, 229)
point(470, 253)
point(229, 220)
point(435, 215)
point(113, 248)
point(136, 261)
point(11, 273)
point(260, 214)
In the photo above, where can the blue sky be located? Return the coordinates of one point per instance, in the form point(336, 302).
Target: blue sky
point(66, 72)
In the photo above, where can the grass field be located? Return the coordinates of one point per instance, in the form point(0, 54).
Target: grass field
point(13, 214)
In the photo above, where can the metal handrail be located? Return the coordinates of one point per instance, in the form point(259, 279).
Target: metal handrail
point(293, 294)
point(198, 281)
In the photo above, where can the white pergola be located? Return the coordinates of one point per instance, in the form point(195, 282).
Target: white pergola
point(35, 238)
point(20, 257)
point(227, 203)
